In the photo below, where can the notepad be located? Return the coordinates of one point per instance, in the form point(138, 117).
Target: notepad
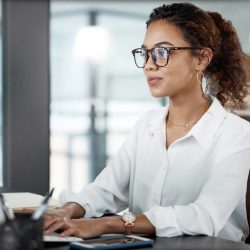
point(18, 201)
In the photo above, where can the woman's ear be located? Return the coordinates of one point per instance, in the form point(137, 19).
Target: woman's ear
point(204, 58)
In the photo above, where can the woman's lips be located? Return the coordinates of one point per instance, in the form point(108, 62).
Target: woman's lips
point(152, 81)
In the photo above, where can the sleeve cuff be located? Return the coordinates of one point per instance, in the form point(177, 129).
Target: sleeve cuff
point(66, 197)
point(164, 221)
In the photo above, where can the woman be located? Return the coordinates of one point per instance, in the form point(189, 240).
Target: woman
point(183, 169)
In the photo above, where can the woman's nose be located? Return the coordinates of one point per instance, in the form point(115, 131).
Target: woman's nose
point(150, 65)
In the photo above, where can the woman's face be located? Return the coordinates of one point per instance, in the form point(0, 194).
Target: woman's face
point(179, 76)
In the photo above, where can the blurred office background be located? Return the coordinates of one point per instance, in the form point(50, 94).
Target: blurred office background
point(96, 91)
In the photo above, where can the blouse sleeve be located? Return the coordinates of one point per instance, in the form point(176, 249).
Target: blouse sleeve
point(215, 204)
point(109, 192)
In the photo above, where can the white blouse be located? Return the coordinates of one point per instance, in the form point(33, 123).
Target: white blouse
point(196, 186)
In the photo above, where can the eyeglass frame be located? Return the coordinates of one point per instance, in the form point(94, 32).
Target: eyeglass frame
point(168, 49)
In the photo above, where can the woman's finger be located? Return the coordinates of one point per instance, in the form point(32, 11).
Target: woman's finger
point(70, 231)
point(59, 224)
point(49, 221)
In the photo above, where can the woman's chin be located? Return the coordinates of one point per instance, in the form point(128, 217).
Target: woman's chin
point(157, 94)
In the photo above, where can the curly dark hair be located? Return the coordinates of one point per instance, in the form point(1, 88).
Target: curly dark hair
point(225, 74)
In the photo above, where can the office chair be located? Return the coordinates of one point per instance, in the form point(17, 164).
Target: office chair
point(248, 206)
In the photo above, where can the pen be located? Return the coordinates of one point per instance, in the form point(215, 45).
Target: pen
point(40, 210)
point(8, 212)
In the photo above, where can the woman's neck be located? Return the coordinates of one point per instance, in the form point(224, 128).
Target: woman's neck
point(184, 112)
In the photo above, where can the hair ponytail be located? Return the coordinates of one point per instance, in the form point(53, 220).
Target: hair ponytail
point(226, 69)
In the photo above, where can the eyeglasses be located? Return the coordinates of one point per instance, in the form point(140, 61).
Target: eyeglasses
point(160, 55)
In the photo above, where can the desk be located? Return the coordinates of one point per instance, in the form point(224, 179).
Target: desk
point(185, 242)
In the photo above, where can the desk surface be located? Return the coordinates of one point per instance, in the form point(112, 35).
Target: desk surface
point(185, 242)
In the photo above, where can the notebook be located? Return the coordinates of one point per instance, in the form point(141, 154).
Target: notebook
point(18, 201)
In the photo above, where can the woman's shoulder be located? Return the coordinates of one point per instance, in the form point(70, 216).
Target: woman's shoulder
point(231, 122)
point(232, 134)
point(229, 131)
point(236, 132)
point(235, 122)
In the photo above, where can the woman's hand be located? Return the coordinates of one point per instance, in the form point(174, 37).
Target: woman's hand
point(53, 215)
point(68, 211)
point(83, 228)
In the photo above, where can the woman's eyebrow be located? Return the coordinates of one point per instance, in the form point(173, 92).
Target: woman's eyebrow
point(158, 44)
point(164, 42)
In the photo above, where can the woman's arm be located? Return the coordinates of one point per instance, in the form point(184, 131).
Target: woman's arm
point(217, 201)
point(86, 228)
point(73, 210)
point(107, 194)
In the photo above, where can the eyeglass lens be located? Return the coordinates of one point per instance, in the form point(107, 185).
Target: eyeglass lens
point(159, 56)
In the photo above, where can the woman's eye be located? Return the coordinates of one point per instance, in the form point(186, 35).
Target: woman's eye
point(161, 53)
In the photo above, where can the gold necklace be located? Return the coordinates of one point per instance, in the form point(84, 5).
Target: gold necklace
point(184, 125)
